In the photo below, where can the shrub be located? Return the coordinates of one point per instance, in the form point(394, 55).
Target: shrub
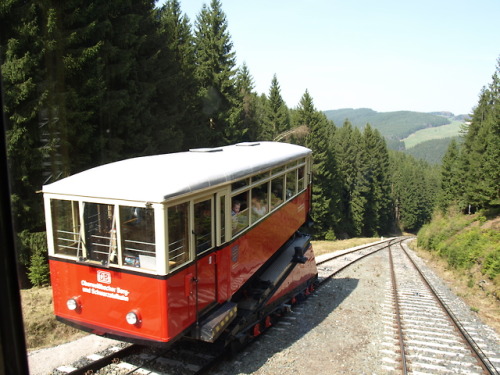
point(461, 240)
point(36, 245)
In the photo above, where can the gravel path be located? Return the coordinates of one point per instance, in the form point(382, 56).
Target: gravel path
point(338, 330)
point(43, 361)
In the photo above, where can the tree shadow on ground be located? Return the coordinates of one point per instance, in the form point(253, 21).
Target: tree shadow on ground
point(306, 316)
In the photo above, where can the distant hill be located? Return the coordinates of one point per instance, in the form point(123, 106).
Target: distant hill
point(423, 135)
point(392, 125)
point(446, 131)
point(431, 151)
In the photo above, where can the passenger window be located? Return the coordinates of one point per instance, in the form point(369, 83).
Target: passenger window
point(100, 232)
point(301, 172)
point(178, 252)
point(277, 191)
point(239, 184)
point(222, 213)
point(291, 184)
point(260, 202)
point(203, 225)
point(239, 212)
point(260, 176)
point(66, 227)
point(138, 237)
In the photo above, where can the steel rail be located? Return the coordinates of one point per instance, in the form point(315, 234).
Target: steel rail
point(104, 361)
point(334, 256)
point(210, 363)
point(327, 278)
point(483, 360)
point(398, 314)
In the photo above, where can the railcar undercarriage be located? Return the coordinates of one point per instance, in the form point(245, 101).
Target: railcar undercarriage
point(264, 297)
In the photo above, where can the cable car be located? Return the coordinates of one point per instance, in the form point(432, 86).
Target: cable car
point(154, 248)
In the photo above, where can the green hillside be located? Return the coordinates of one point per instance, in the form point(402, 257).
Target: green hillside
point(428, 134)
point(394, 125)
point(432, 151)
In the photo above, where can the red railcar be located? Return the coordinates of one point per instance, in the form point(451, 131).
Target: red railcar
point(195, 244)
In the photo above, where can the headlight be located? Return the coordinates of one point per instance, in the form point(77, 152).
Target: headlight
point(73, 304)
point(133, 318)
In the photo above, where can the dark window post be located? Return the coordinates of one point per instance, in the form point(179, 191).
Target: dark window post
point(12, 341)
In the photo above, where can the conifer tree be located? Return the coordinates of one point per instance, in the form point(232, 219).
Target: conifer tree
point(378, 204)
point(215, 71)
point(177, 85)
point(480, 164)
point(22, 56)
point(245, 111)
point(345, 152)
point(277, 119)
point(324, 194)
point(131, 71)
point(360, 184)
point(415, 186)
point(451, 183)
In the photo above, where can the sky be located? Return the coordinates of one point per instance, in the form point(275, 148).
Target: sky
point(387, 55)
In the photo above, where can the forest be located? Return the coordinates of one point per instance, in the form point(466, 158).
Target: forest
point(88, 83)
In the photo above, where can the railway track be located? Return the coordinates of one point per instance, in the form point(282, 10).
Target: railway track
point(424, 334)
point(186, 357)
point(331, 264)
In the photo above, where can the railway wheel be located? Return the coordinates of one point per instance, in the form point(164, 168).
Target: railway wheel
point(267, 321)
point(256, 331)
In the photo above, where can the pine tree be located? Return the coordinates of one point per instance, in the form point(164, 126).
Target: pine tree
point(324, 194)
point(177, 84)
point(245, 111)
point(414, 188)
point(451, 183)
point(22, 56)
point(378, 203)
point(360, 184)
point(130, 73)
point(480, 164)
point(215, 71)
point(345, 153)
point(277, 120)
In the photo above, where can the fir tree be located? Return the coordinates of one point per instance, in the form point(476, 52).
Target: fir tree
point(177, 85)
point(480, 164)
point(324, 195)
point(345, 153)
point(22, 56)
point(415, 186)
point(378, 204)
point(277, 120)
point(245, 111)
point(215, 71)
point(451, 183)
point(360, 185)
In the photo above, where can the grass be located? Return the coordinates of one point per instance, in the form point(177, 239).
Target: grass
point(444, 131)
point(41, 327)
point(325, 247)
point(465, 251)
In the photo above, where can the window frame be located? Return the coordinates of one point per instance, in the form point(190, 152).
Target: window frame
point(268, 176)
point(158, 228)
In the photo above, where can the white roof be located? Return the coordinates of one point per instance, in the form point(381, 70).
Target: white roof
point(159, 177)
